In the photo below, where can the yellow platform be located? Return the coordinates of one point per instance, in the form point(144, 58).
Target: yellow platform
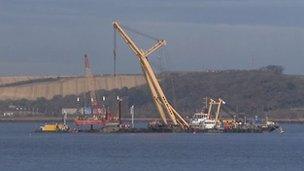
point(54, 127)
point(50, 128)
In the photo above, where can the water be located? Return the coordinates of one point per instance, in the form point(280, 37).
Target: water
point(22, 150)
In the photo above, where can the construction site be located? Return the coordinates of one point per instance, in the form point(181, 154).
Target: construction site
point(96, 116)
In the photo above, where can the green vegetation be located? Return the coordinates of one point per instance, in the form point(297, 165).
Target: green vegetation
point(255, 92)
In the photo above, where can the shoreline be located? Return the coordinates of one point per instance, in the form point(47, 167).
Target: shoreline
point(59, 119)
point(300, 120)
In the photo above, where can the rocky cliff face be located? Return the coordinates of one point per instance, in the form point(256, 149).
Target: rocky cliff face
point(34, 87)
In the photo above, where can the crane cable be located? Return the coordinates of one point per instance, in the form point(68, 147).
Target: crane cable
point(114, 51)
point(140, 33)
point(166, 57)
point(162, 67)
point(115, 43)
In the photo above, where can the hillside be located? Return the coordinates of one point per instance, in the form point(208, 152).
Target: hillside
point(255, 92)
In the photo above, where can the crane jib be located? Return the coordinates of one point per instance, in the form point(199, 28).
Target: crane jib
point(158, 96)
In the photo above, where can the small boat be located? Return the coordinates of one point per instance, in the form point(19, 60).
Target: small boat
point(269, 126)
point(281, 130)
point(54, 127)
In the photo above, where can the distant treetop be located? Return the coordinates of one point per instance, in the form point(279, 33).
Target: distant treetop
point(277, 69)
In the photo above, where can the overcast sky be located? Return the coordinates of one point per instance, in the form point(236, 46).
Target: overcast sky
point(49, 37)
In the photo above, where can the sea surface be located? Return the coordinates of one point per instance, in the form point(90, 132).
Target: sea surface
point(23, 149)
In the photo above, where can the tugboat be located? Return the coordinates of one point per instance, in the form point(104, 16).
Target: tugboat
point(56, 127)
point(269, 126)
point(203, 121)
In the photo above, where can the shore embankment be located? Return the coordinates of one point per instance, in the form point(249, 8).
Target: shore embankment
point(71, 118)
point(56, 119)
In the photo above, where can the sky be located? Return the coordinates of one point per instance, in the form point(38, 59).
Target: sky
point(50, 37)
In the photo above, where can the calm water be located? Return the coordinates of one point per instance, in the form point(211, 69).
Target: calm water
point(22, 150)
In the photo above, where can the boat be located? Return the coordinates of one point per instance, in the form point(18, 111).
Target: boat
point(281, 130)
point(104, 120)
point(97, 120)
point(269, 126)
point(207, 121)
point(202, 120)
point(54, 127)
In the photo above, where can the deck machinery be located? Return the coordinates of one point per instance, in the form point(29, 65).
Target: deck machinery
point(165, 109)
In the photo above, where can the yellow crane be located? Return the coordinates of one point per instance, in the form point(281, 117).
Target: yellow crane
point(211, 103)
point(164, 108)
point(219, 103)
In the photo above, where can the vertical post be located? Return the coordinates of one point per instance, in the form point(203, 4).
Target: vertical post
point(256, 119)
point(65, 117)
point(105, 111)
point(132, 120)
point(119, 109)
point(206, 102)
point(78, 105)
point(132, 111)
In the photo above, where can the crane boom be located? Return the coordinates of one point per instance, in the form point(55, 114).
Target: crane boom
point(219, 103)
point(154, 97)
point(159, 98)
point(210, 107)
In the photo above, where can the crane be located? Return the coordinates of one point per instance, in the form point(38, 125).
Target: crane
point(164, 108)
point(211, 103)
point(90, 83)
point(219, 105)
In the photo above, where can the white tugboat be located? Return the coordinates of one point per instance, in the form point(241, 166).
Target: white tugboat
point(203, 121)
